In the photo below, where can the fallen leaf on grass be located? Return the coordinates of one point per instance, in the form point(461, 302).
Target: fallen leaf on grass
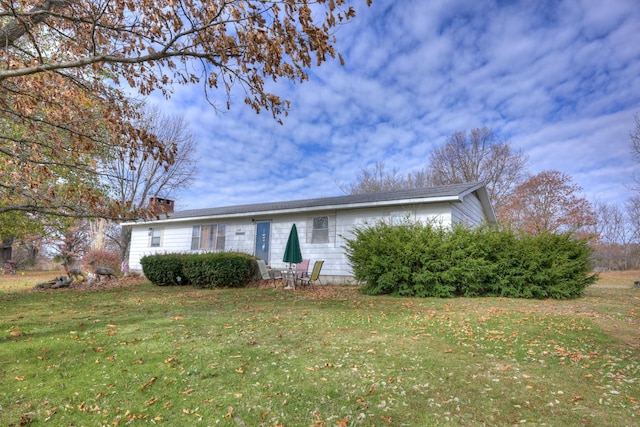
point(26, 419)
point(148, 383)
point(20, 378)
point(172, 361)
point(576, 398)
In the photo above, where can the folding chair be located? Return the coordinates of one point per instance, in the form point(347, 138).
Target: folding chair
point(315, 274)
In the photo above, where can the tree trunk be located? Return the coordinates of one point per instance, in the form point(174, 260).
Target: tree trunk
point(125, 242)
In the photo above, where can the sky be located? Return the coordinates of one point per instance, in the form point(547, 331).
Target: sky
point(559, 80)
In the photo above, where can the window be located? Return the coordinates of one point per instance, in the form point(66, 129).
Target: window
point(210, 237)
point(400, 217)
point(320, 230)
point(155, 237)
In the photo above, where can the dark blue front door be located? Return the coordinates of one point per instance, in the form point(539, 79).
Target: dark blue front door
point(263, 236)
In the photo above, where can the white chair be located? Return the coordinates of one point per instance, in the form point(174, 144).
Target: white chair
point(268, 274)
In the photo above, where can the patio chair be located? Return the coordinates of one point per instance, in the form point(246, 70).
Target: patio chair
point(315, 274)
point(302, 270)
point(268, 274)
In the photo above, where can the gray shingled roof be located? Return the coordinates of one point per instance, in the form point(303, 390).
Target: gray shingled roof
point(436, 193)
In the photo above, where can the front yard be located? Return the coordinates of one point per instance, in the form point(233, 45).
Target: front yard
point(136, 354)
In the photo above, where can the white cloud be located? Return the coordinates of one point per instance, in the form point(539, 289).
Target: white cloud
point(561, 80)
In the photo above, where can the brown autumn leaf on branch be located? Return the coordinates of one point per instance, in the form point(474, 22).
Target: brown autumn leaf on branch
point(65, 63)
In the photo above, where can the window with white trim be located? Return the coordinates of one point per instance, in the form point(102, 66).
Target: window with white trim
point(320, 230)
point(208, 237)
point(400, 217)
point(155, 237)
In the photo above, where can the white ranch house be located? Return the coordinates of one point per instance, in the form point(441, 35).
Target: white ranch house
point(323, 224)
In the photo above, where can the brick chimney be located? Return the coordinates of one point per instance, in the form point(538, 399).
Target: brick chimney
point(160, 206)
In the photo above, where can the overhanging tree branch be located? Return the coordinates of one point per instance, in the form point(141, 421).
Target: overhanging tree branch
point(23, 21)
point(62, 112)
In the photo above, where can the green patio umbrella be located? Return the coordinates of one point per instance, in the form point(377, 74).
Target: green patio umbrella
point(292, 253)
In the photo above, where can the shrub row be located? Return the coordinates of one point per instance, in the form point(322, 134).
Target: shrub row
point(210, 270)
point(164, 269)
point(423, 260)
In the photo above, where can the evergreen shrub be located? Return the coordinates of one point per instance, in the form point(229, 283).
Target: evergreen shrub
point(426, 260)
point(208, 270)
point(164, 269)
point(232, 269)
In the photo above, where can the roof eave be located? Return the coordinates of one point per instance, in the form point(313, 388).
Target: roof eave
point(267, 213)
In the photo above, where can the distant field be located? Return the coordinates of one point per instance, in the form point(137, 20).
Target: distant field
point(24, 280)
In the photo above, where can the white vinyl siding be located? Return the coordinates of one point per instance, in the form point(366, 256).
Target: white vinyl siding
point(468, 213)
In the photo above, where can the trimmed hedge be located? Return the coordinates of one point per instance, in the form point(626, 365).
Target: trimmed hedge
point(232, 269)
point(421, 260)
point(164, 269)
point(209, 270)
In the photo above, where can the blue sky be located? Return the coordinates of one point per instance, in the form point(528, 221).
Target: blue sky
point(558, 79)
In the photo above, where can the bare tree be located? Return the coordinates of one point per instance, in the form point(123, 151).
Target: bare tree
point(548, 202)
point(633, 213)
point(635, 150)
point(478, 156)
point(633, 205)
point(133, 180)
point(614, 232)
point(375, 179)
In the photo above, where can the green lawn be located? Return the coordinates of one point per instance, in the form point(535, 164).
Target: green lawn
point(140, 355)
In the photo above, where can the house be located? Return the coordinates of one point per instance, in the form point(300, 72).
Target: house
point(323, 224)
